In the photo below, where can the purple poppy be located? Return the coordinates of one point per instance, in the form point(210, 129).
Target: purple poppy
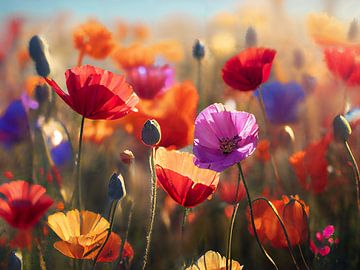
point(150, 81)
point(282, 101)
point(223, 137)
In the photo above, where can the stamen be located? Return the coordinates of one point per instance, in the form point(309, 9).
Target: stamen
point(227, 145)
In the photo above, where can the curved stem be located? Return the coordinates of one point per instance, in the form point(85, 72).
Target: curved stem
point(111, 218)
point(253, 221)
point(303, 258)
point(356, 173)
point(153, 206)
point(78, 160)
point(282, 227)
point(231, 225)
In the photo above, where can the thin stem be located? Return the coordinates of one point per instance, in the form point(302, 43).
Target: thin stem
point(153, 207)
point(185, 214)
point(126, 234)
point(112, 211)
point(272, 158)
point(303, 258)
point(80, 58)
point(253, 221)
point(356, 172)
point(282, 227)
point(78, 160)
point(231, 226)
point(199, 85)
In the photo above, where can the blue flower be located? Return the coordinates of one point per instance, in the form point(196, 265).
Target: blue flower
point(62, 154)
point(281, 101)
point(14, 125)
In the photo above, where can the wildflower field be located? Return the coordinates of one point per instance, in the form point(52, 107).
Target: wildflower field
point(208, 136)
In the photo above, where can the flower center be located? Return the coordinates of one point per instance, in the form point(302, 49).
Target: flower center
point(227, 145)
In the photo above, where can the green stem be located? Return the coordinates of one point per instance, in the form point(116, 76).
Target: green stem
point(231, 225)
point(303, 258)
point(356, 173)
point(253, 221)
point(126, 235)
point(78, 160)
point(111, 218)
point(282, 227)
point(153, 207)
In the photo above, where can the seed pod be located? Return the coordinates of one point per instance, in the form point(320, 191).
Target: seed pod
point(151, 133)
point(127, 157)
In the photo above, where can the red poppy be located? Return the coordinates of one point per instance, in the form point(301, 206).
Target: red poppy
point(343, 63)
point(250, 68)
point(96, 93)
point(293, 212)
point(22, 205)
point(187, 184)
point(310, 165)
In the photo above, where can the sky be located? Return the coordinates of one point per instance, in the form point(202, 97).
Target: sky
point(150, 10)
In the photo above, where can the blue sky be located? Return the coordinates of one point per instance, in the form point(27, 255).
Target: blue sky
point(150, 10)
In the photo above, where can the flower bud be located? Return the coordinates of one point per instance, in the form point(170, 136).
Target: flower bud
point(342, 129)
point(42, 93)
point(198, 50)
point(298, 59)
point(353, 30)
point(151, 133)
point(127, 157)
point(14, 262)
point(116, 188)
point(38, 54)
point(250, 37)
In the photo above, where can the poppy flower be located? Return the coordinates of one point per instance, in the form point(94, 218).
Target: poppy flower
point(213, 261)
point(175, 116)
point(223, 137)
point(22, 204)
point(92, 38)
point(292, 214)
point(228, 189)
point(342, 63)
point(326, 30)
point(187, 184)
point(97, 131)
point(96, 93)
point(150, 81)
point(310, 165)
point(263, 150)
point(171, 50)
point(82, 234)
point(325, 240)
point(282, 101)
point(249, 69)
point(133, 56)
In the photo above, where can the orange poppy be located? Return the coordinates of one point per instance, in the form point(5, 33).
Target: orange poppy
point(293, 212)
point(171, 50)
point(82, 234)
point(187, 184)
point(141, 32)
point(262, 150)
point(97, 131)
point(92, 38)
point(310, 165)
point(133, 56)
point(175, 116)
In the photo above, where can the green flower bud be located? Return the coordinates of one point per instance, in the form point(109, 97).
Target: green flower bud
point(151, 133)
point(342, 129)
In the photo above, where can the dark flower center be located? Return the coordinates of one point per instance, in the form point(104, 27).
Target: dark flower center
point(227, 145)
